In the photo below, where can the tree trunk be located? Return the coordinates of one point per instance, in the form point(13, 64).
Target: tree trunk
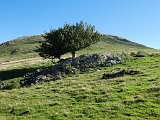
point(73, 54)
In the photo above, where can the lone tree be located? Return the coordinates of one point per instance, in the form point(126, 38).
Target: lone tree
point(69, 38)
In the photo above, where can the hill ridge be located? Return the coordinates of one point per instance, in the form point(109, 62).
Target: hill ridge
point(24, 47)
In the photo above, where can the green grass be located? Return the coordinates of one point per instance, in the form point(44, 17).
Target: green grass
point(87, 97)
point(83, 96)
point(20, 48)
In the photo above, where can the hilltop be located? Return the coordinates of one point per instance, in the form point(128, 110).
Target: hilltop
point(20, 48)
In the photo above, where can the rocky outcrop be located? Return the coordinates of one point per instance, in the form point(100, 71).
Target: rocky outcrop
point(70, 66)
point(120, 73)
point(139, 54)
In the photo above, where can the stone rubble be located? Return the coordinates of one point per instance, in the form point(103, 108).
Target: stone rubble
point(69, 66)
point(120, 74)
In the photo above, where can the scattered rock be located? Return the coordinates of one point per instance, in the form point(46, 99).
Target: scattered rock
point(69, 66)
point(2, 84)
point(154, 55)
point(120, 73)
point(113, 75)
point(139, 54)
point(132, 72)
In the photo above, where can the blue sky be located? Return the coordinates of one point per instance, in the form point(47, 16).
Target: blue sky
point(136, 20)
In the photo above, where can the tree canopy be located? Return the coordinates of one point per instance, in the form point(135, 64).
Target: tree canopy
point(69, 38)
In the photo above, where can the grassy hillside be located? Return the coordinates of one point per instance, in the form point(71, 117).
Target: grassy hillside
point(20, 48)
point(23, 47)
point(88, 97)
point(83, 96)
point(109, 43)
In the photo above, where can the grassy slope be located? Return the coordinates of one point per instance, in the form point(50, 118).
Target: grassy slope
point(23, 48)
point(85, 96)
point(20, 52)
point(20, 48)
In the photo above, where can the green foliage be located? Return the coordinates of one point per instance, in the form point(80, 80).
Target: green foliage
point(69, 38)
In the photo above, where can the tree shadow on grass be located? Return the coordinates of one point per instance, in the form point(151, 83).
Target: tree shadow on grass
point(15, 73)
